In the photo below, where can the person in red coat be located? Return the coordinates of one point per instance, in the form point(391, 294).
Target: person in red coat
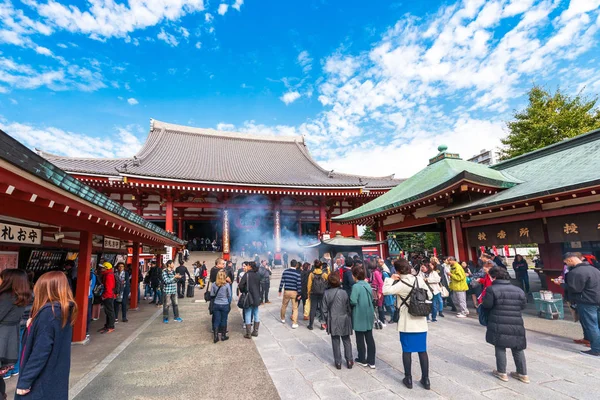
point(108, 297)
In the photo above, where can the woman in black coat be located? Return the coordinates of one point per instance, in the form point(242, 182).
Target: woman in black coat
point(503, 303)
point(250, 284)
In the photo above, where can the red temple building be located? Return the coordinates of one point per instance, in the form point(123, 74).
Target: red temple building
point(229, 187)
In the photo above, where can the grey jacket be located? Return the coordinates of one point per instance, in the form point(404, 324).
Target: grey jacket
point(336, 309)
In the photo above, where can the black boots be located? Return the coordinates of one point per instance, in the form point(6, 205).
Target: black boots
point(248, 331)
point(224, 336)
point(425, 382)
point(215, 335)
point(407, 381)
point(255, 331)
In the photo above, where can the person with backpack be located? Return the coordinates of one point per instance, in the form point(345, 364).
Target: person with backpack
point(363, 317)
point(108, 297)
point(95, 289)
point(376, 287)
point(305, 274)
point(505, 328)
point(412, 295)
point(220, 296)
point(317, 283)
point(337, 312)
point(155, 278)
point(346, 275)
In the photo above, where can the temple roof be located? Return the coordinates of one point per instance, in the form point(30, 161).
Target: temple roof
point(567, 165)
point(187, 154)
point(443, 171)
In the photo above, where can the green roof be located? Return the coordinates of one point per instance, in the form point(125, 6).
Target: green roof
point(439, 174)
point(20, 156)
point(567, 165)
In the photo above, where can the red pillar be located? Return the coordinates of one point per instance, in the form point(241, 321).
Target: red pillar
point(83, 288)
point(135, 284)
point(460, 241)
point(180, 227)
point(322, 217)
point(169, 211)
point(355, 230)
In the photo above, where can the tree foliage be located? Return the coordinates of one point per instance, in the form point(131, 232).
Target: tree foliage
point(368, 234)
point(549, 118)
point(419, 241)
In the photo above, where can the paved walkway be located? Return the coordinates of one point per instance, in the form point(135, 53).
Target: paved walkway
point(301, 364)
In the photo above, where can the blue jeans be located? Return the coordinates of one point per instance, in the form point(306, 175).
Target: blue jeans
point(523, 279)
point(251, 315)
point(589, 315)
point(437, 306)
point(220, 314)
point(147, 291)
point(15, 370)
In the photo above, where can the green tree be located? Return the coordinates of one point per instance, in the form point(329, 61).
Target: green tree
point(549, 118)
point(368, 234)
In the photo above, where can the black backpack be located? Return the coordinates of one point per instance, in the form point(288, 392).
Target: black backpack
point(418, 306)
point(318, 284)
point(98, 288)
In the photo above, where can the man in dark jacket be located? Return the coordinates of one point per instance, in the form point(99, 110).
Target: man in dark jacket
point(583, 284)
point(505, 328)
point(265, 281)
point(183, 271)
point(347, 279)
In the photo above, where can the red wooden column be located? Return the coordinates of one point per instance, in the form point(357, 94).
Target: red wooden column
point(355, 230)
point(463, 251)
point(83, 288)
point(169, 211)
point(135, 283)
point(322, 217)
point(449, 239)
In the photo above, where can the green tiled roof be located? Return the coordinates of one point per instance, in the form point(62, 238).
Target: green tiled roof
point(434, 177)
point(15, 153)
point(563, 166)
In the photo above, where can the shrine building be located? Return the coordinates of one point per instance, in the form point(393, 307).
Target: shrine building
point(202, 183)
point(549, 197)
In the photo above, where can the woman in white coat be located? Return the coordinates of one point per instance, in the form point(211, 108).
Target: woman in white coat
point(413, 330)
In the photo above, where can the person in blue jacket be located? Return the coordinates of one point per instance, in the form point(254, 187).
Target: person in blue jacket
point(46, 361)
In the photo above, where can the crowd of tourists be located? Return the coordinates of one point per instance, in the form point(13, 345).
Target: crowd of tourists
point(353, 296)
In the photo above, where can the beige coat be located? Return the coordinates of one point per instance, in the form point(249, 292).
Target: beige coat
point(407, 322)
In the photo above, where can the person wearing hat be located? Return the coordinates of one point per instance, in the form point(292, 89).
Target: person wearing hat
point(108, 297)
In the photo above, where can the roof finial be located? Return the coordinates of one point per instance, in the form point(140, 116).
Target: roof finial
point(151, 124)
point(442, 148)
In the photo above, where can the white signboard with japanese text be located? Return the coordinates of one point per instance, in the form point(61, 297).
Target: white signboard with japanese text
point(20, 234)
point(112, 243)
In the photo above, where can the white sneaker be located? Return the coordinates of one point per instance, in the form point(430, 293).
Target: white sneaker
point(294, 326)
point(461, 316)
point(283, 321)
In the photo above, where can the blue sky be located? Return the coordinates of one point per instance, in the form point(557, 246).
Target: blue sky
point(374, 86)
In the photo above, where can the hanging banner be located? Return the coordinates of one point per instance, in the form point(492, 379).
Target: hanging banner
point(495, 250)
point(525, 232)
point(225, 231)
point(20, 234)
point(574, 228)
point(277, 235)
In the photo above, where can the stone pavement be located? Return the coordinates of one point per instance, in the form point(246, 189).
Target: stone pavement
point(300, 363)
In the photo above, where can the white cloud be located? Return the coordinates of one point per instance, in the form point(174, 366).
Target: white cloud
point(43, 50)
point(13, 101)
point(238, 4)
point(106, 19)
point(132, 101)
point(290, 97)
point(305, 61)
point(122, 143)
point(208, 17)
point(223, 8)
point(166, 37)
point(198, 45)
point(62, 45)
point(222, 126)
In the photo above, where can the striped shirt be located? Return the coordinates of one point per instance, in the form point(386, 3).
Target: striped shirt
point(291, 279)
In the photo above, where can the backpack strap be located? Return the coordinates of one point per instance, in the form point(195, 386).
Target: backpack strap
point(404, 299)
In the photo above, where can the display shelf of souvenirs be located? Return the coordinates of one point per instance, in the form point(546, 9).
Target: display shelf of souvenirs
point(46, 260)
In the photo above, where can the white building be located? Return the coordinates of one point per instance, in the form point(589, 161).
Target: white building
point(486, 157)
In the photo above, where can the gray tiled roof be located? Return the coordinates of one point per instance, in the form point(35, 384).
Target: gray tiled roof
point(204, 155)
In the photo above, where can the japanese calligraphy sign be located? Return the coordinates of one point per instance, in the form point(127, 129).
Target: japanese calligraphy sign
point(526, 232)
point(574, 228)
point(20, 234)
point(112, 243)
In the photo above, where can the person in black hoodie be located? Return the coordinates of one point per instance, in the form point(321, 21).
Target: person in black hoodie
point(250, 284)
point(46, 360)
point(504, 303)
point(583, 284)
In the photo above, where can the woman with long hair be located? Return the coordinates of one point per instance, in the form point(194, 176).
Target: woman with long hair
point(46, 358)
point(220, 294)
point(433, 278)
point(15, 294)
point(250, 284)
